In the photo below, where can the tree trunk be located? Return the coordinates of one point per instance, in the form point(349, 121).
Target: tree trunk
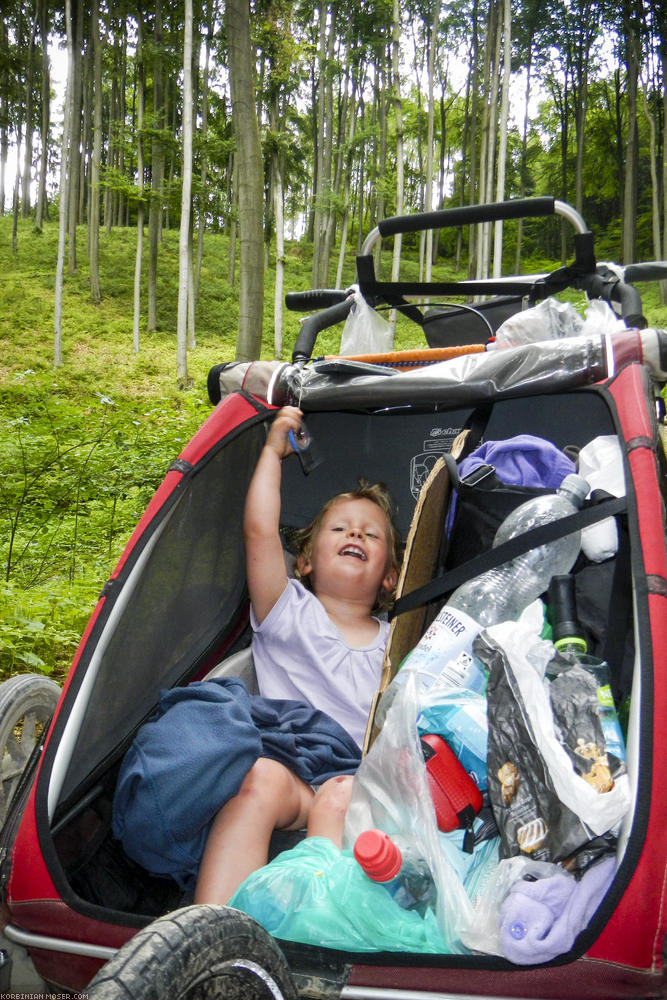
point(630, 185)
point(524, 158)
point(62, 226)
point(502, 146)
point(233, 200)
point(322, 192)
point(488, 145)
point(45, 118)
point(94, 215)
point(347, 181)
point(398, 113)
point(250, 181)
point(157, 171)
point(186, 198)
point(203, 167)
point(473, 248)
point(141, 97)
point(74, 162)
point(29, 103)
point(428, 193)
point(4, 114)
point(279, 220)
point(655, 180)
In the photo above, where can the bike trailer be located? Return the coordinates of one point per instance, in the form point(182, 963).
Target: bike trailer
point(75, 908)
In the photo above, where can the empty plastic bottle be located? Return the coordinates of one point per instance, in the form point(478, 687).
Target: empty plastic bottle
point(569, 640)
point(444, 653)
point(397, 866)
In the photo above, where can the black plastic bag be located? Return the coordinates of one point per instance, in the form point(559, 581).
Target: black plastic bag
point(544, 807)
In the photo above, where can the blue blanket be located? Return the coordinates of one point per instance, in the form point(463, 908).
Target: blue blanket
point(193, 754)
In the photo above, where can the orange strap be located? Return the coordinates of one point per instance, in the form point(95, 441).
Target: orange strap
point(405, 360)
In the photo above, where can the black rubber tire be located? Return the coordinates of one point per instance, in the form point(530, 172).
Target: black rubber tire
point(27, 702)
point(198, 953)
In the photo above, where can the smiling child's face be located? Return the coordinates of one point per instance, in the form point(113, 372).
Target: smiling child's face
point(350, 553)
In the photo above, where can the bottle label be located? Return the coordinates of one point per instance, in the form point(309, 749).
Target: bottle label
point(451, 633)
point(463, 672)
point(611, 729)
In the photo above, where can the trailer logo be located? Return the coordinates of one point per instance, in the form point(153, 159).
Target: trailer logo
point(439, 441)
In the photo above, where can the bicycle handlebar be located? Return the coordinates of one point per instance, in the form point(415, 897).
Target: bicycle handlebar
point(312, 325)
point(515, 208)
point(315, 298)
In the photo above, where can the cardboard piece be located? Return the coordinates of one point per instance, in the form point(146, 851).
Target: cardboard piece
point(422, 549)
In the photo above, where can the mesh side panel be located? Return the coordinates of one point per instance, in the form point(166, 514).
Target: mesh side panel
point(188, 593)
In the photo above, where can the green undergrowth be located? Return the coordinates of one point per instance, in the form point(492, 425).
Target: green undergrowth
point(84, 446)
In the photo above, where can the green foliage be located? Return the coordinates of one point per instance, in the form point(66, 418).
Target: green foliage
point(83, 447)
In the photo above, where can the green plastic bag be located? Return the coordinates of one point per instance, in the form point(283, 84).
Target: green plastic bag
point(318, 894)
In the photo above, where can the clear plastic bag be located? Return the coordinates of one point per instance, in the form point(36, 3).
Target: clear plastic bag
point(365, 331)
point(391, 792)
point(548, 320)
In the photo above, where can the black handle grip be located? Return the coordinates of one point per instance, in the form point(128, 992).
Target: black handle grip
point(315, 298)
point(650, 270)
point(311, 326)
point(607, 286)
point(519, 208)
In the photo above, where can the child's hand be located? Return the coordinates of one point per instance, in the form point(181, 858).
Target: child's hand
point(288, 419)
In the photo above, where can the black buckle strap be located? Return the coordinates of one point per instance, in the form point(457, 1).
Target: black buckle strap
point(545, 533)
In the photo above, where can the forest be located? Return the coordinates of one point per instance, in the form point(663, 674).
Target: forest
point(275, 121)
point(169, 171)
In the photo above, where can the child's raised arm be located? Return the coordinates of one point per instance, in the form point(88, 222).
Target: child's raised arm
point(265, 562)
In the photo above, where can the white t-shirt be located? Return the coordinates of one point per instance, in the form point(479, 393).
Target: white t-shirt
point(300, 655)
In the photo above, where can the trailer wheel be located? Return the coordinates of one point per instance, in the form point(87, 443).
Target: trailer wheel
point(197, 953)
point(27, 702)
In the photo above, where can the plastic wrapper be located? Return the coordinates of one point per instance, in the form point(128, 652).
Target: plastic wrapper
point(317, 894)
point(459, 716)
point(390, 792)
point(518, 371)
point(548, 320)
point(365, 330)
point(542, 805)
point(484, 931)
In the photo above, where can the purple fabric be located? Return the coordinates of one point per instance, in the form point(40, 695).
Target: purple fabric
point(523, 460)
point(540, 920)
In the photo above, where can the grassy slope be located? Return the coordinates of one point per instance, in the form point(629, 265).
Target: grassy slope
point(83, 447)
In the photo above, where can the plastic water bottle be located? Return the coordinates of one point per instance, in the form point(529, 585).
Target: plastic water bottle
point(568, 640)
point(443, 656)
point(397, 866)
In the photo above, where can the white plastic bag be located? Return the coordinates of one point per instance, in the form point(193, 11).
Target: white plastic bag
point(390, 792)
point(601, 465)
point(365, 331)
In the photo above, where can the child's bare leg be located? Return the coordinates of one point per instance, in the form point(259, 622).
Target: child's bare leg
point(271, 797)
point(327, 813)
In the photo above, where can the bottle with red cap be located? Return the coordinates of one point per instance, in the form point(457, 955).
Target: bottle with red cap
point(396, 865)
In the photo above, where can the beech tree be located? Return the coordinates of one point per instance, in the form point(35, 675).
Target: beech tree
point(250, 180)
point(313, 123)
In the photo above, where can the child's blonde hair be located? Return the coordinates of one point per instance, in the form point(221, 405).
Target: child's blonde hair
point(378, 494)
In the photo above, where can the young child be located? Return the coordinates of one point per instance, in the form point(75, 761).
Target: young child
point(315, 640)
